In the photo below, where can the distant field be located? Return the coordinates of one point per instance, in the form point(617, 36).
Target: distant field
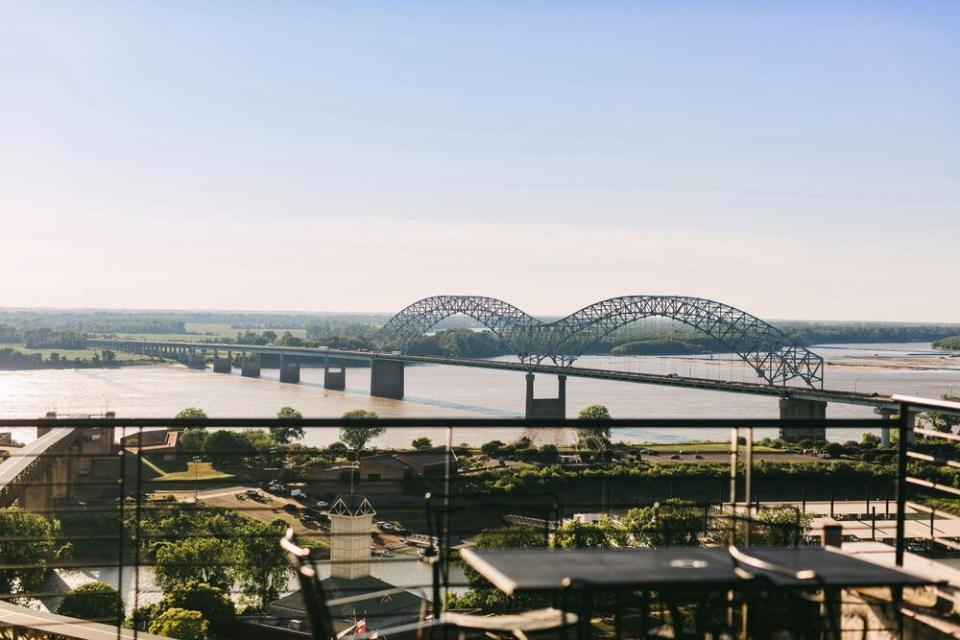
point(71, 354)
point(201, 331)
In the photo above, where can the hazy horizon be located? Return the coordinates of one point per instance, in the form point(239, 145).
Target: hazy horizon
point(792, 161)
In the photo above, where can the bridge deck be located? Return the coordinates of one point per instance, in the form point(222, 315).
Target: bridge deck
point(63, 627)
point(797, 392)
point(16, 464)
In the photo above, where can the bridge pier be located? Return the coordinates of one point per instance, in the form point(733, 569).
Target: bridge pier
point(196, 360)
point(336, 380)
point(793, 409)
point(386, 379)
point(249, 367)
point(289, 370)
point(885, 415)
point(547, 407)
point(222, 365)
point(38, 495)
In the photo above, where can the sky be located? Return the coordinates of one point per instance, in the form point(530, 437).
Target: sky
point(796, 160)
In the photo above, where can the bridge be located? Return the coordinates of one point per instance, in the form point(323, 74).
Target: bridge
point(789, 371)
point(48, 468)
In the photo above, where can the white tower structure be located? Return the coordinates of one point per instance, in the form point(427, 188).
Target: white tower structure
point(351, 520)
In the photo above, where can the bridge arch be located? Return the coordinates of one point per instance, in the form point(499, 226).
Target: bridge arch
point(502, 318)
point(768, 351)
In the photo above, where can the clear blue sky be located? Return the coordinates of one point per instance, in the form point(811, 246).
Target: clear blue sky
point(793, 159)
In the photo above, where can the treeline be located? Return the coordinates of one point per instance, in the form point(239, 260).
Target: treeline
point(13, 360)
point(95, 321)
point(834, 332)
point(952, 343)
point(43, 337)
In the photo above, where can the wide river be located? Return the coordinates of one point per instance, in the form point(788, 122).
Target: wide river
point(441, 391)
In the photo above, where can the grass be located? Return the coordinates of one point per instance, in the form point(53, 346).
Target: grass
point(71, 354)
point(201, 332)
point(198, 471)
point(701, 447)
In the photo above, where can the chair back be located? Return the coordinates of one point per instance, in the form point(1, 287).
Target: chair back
point(314, 599)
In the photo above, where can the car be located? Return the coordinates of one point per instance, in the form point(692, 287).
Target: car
point(291, 508)
point(299, 494)
point(307, 518)
point(275, 488)
point(791, 450)
point(251, 492)
point(322, 504)
point(675, 457)
point(385, 526)
point(698, 457)
point(682, 452)
point(651, 452)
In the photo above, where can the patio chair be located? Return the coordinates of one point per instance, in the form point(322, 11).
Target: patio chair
point(523, 626)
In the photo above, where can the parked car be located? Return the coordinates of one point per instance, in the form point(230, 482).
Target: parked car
point(385, 526)
point(675, 456)
point(251, 493)
point(698, 457)
point(275, 488)
point(291, 508)
point(322, 504)
point(298, 494)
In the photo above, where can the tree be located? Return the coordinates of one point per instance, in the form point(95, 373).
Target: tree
point(262, 569)
point(269, 336)
point(834, 449)
point(214, 604)
point(284, 434)
point(869, 441)
point(357, 437)
point(207, 559)
point(192, 413)
point(224, 447)
point(594, 437)
point(27, 545)
point(92, 601)
point(672, 522)
point(422, 443)
point(192, 440)
point(590, 535)
point(942, 422)
point(183, 624)
point(492, 449)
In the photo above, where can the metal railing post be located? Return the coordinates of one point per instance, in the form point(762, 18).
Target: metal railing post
point(902, 436)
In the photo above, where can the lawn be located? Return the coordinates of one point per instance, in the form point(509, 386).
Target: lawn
point(197, 471)
point(71, 354)
point(701, 447)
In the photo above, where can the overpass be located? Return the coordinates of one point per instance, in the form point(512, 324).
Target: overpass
point(34, 475)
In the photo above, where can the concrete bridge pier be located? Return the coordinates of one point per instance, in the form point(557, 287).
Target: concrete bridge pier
point(249, 367)
point(221, 365)
point(885, 415)
point(547, 407)
point(196, 360)
point(386, 379)
point(289, 370)
point(793, 409)
point(336, 380)
point(38, 495)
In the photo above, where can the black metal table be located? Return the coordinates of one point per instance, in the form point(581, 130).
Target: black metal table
point(682, 571)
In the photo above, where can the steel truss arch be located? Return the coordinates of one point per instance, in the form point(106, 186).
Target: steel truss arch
point(768, 351)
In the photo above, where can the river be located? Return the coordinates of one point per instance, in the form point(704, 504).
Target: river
point(445, 391)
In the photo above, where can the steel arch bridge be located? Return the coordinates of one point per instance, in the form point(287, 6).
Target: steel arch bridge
point(768, 351)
